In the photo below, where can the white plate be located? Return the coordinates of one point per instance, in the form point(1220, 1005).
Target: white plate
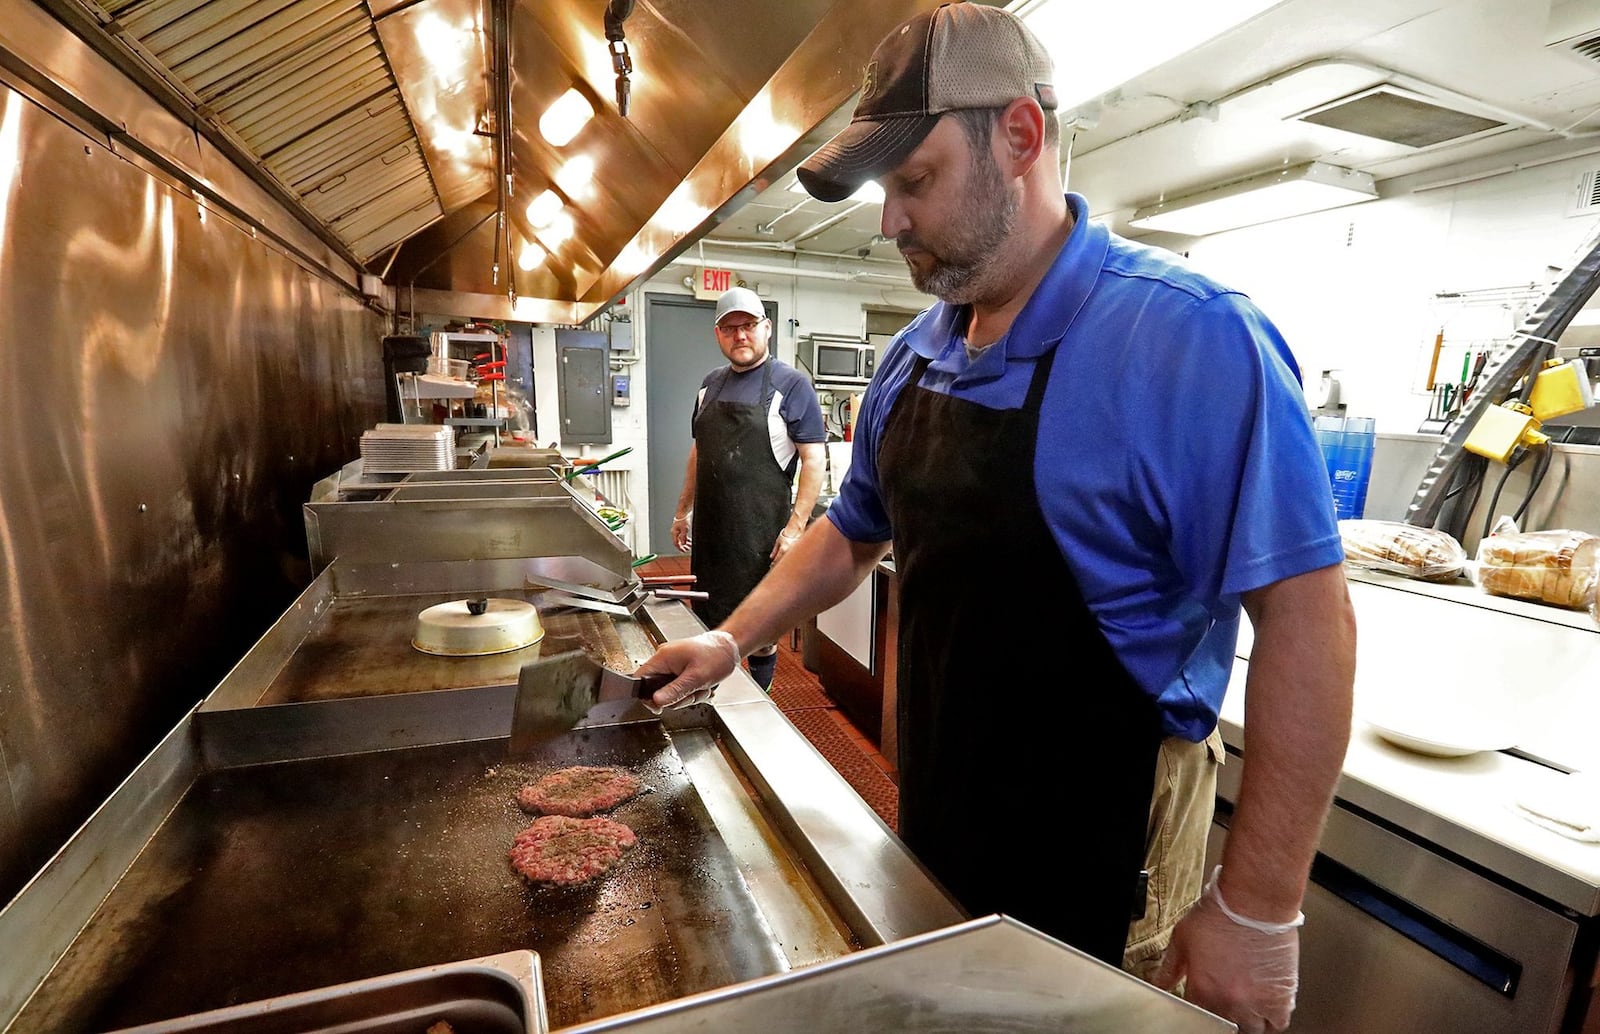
point(1442, 737)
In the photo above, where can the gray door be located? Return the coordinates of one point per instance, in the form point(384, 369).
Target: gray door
point(683, 349)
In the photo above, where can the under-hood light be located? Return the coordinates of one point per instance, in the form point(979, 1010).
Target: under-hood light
point(632, 259)
point(577, 176)
point(544, 208)
point(562, 120)
point(680, 213)
point(762, 135)
point(530, 256)
point(559, 231)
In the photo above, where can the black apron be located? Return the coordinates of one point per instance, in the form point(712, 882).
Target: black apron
point(1018, 725)
point(741, 498)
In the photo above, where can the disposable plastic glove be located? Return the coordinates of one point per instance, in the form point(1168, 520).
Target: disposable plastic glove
point(1241, 969)
point(699, 662)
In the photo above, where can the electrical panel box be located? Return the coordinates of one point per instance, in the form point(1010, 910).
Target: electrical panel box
point(620, 389)
point(583, 376)
point(621, 332)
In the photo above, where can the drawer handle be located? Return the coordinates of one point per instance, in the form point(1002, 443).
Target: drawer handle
point(1463, 951)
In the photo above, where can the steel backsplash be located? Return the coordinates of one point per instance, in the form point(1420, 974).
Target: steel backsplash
point(173, 389)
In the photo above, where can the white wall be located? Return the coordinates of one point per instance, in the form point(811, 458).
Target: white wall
point(1354, 289)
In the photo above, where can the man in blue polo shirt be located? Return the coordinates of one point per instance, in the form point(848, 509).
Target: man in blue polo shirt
point(1087, 459)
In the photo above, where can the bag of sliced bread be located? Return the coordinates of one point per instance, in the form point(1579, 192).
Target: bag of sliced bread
point(1399, 548)
point(1559, 567)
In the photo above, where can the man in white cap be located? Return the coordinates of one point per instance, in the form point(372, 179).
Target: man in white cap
point(755, 422)
point(1088, 459)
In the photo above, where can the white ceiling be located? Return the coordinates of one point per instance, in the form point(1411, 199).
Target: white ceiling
point(1224, 111)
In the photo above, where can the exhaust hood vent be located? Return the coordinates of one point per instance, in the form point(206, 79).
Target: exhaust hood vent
point(1388, 113)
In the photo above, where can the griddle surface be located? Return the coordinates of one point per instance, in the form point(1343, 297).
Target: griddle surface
point(283, 878)
point(361, 646)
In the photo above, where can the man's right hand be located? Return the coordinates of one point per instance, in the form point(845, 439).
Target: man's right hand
point(681, 539)
point(699, 662)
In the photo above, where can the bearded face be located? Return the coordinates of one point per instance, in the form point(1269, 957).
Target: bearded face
point(959, 259)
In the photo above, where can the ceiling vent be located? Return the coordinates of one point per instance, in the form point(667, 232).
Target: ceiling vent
point(1586, 198)
point(1575, 27)
point(1389, 113)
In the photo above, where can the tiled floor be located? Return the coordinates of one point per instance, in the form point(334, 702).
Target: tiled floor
point(804, 702)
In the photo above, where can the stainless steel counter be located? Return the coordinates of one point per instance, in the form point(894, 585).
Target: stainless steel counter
point(1434, 905)
point(813, 874)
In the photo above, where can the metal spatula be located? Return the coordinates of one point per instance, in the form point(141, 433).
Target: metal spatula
point(554, 693)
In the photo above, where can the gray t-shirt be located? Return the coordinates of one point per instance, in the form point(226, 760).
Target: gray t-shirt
point(793, 418)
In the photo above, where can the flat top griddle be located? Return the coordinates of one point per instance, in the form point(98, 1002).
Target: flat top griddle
point(361, 646)
point(287, 877)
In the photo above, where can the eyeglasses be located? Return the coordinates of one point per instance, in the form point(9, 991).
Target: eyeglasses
point(735, 329)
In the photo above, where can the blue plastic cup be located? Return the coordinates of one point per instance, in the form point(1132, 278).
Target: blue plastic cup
point(1347, 443)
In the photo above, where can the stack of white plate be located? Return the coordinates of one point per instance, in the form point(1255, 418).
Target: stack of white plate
point(402, 448)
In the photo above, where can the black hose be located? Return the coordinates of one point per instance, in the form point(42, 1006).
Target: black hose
point(1535, 481)
point(617, 12)
point(1468, 477)
point(1494, 500)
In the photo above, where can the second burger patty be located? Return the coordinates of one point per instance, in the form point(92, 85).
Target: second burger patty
point(562, 851)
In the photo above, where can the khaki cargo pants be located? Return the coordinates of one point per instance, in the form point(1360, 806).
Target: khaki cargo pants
point(1175, 849)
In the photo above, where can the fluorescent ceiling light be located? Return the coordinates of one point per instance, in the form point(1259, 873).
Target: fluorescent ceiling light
point(544, 208)
point(1124, 40)
point(562, 120)
point(871, 192)
point(1298, 190)
point(576, 176)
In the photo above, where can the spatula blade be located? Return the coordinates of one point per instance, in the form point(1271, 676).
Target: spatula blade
point(553, 695)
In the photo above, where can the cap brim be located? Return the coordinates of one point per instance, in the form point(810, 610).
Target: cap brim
point(864, 150)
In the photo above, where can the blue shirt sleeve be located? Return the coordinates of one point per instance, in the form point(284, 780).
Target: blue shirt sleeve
point(858, 511)
point(1233, 464)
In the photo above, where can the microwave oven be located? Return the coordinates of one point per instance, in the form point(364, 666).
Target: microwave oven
point(839, 360)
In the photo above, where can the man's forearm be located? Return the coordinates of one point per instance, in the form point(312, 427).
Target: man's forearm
point(1297, 726)
point(808, 486)
point(686, 497)
point(821, 570)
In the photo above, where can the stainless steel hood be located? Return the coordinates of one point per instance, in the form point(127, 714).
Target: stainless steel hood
point(385, 124)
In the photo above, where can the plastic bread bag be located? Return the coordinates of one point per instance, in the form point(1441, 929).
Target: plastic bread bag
point(1559, 567)
point(1403, 549)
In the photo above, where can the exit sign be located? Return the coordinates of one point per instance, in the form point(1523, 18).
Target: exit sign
point(710, 283)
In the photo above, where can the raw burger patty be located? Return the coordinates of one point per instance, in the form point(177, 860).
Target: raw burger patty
point(565, 851)
point(578, 791)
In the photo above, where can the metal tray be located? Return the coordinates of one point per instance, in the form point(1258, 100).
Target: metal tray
point(496, 994)
point(993, 974)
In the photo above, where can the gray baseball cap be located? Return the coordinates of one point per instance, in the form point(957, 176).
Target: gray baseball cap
point(739, 299)
point(957, 56)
